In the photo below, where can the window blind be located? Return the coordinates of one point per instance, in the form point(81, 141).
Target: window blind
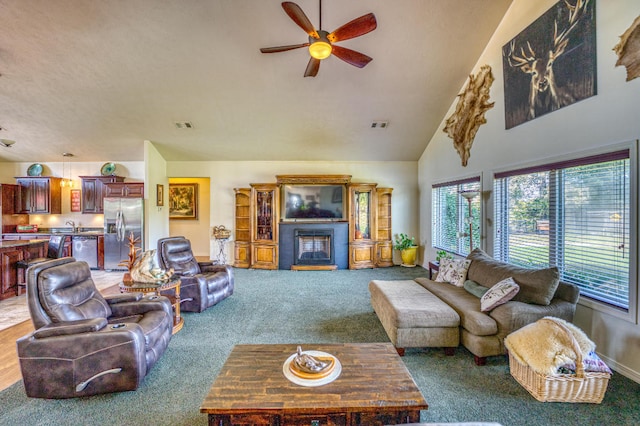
point(450, 216)
point(574, 215)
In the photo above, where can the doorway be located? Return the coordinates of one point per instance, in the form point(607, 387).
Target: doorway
point(195, 225)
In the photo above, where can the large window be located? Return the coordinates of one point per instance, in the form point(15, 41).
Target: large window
point(574, 215)
point(453, 228)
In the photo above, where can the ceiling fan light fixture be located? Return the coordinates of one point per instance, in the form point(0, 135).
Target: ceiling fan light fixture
point(7, 143)
point(320, 50)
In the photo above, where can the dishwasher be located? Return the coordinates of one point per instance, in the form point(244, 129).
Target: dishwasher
point(85, 247)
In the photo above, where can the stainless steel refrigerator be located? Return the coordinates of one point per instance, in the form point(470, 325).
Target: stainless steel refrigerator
point(121, 217)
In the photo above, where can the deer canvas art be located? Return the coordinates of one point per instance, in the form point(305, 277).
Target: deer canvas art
point(552, 63)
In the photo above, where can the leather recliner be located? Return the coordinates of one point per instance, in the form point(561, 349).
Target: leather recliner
point(84, 343)
point(203, 284)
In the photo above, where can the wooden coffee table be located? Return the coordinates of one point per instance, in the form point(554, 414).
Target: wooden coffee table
point(374, 388)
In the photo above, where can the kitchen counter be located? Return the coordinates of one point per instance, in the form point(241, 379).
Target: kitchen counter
point(19, 243)
point(75, 242)
point(48, 233)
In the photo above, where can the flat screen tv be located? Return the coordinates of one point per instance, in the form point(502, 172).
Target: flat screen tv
point(313, 202)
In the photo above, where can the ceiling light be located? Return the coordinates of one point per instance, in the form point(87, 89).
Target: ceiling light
point(66, 182)
point(320, 48)
point(6, 143)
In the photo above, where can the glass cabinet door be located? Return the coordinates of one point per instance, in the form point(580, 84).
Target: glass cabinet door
point(363, 208)
point(264, 233)
point(362, 215)
point(265, 213)
point(264, 202)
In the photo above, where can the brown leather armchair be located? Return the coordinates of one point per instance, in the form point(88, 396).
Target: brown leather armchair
point(84, 343)
point(203, 284)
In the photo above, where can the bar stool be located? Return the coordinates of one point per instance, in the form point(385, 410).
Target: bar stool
point(54, 251)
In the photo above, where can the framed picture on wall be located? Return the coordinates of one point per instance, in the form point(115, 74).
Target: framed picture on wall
point(551, 64)
point(159, 195)
point(183, 201)
point(75, 199)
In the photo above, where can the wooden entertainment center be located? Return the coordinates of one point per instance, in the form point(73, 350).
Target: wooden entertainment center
point(328, 221)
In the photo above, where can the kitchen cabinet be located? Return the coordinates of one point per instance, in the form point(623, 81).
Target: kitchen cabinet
point(101, 252)
point(9, 207)
point(40, 195)
point(93, 190)
point(8, 199)
point(10, 253)
point(124, 189)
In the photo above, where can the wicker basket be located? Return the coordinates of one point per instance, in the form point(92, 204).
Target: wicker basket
point(580, 387)
point(220, 232)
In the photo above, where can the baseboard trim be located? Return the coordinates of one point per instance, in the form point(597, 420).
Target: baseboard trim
point(620, 368)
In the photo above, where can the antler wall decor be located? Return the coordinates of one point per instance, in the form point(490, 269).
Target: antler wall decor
point(463, 124)
point(628, 50)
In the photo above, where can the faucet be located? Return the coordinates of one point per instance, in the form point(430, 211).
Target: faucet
point(73, 226)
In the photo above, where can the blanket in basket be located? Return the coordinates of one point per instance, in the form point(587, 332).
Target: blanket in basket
point(545, 346)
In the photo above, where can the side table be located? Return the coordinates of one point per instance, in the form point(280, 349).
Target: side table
point(434, 266)
point(157, 289)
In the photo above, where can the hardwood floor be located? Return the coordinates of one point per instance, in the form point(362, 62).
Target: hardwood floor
point(9, 367)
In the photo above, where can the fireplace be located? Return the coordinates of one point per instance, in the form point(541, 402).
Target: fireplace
point(313, 247)
point(324, 245)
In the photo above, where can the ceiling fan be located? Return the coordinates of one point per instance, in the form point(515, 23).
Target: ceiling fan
point(321, 42)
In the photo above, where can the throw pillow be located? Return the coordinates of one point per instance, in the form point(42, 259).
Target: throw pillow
point(453, 271)
point(499, 294)
point(537, 286)
point(440, 276)
point(474, 288)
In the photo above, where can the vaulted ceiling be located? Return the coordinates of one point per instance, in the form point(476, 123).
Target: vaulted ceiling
point(97, 78)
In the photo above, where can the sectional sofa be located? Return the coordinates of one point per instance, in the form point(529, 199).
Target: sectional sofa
point(427, 313)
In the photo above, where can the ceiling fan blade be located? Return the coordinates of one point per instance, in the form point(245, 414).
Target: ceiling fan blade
point(352, 57)
point(312, 67)
point(298, 16)
point(282, 48)
point(355, 28)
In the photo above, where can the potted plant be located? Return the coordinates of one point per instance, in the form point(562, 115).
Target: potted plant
point(442, 255)
point(408, 248)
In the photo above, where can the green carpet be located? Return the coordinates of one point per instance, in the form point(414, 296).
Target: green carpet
point(313, 307)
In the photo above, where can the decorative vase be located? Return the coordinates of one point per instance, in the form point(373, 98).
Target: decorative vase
point(409, 256)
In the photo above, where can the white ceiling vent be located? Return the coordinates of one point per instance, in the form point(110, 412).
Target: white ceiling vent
point(379, 124)
point(183, 125)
